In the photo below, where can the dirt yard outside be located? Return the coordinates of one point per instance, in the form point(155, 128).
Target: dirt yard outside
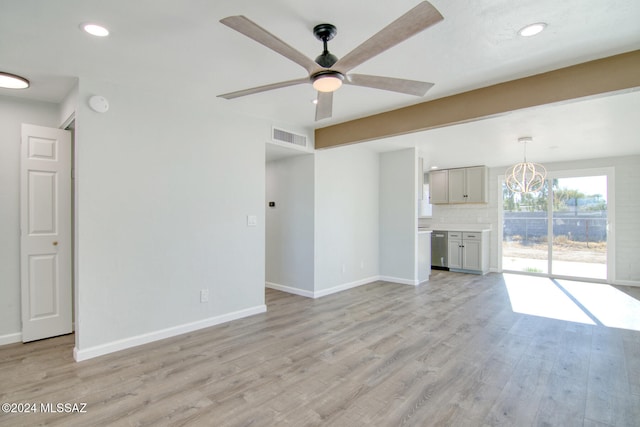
point(563, 250)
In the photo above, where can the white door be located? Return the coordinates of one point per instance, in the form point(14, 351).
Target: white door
point(45, 237)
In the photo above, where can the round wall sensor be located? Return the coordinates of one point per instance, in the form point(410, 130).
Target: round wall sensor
point(99, 104)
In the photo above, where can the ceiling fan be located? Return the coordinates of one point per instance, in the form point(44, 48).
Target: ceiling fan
point(327, 73)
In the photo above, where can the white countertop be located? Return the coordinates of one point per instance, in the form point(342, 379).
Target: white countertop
point(457, 227)
point(424, 230)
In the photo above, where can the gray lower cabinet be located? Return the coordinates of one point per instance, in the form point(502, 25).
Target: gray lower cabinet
point(469, 251)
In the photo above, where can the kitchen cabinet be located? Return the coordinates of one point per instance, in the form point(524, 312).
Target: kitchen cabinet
point(469, 251)
point(439, 186)
point(468, 185)
point(461, 185)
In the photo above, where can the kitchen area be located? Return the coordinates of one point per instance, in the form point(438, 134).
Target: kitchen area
point(454, 245)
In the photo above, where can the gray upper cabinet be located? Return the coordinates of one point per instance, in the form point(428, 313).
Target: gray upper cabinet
point(457, 186)
point(461, 185)
point(439, 186)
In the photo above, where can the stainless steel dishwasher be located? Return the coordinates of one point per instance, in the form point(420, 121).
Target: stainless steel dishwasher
point(439, 250)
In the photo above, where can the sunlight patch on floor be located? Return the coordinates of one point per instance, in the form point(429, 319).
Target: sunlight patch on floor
point(574, 301)
point(539, 296)
point(609, 305)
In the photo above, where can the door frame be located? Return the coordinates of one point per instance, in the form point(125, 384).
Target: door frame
point(70, 125)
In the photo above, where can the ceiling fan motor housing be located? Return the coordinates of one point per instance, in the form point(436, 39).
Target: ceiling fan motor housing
point(324, 33)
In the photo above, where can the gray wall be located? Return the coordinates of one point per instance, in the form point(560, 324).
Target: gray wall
point(164, 190)
point(346, 216)
point(398, 216)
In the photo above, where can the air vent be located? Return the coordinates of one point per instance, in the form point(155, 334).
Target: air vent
point(280, 135)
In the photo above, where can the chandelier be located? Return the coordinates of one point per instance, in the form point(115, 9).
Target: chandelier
point(525, 177)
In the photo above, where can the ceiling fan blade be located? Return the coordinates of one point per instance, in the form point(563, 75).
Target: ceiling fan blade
point(411, 23)
point(251, 91)
point(244, 25)
point(410, 87)
point(324, 107)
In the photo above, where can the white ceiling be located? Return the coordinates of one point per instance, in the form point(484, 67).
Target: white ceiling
point(180, 48)
point(600, 127)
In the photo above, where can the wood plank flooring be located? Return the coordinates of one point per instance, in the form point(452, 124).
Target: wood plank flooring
point(450, 352)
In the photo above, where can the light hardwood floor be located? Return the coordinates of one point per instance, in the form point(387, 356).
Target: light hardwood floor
point(450, 352)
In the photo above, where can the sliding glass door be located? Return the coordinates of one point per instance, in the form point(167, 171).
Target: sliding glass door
point(525, 229)
point(579, 244)
point(560, 231)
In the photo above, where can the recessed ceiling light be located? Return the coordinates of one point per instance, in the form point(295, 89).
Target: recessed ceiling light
point(95, 30)
point(434, 167)
point(11, 81)
point(532, 29)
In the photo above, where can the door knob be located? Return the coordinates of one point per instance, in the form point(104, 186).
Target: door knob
point(55, 243)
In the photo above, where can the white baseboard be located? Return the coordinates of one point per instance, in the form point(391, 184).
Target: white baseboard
point(627, 283)
point(289, 289)
point(345, 286)
point(399, 280)
point(10, 338)
point(340, 288)
point(102, 349)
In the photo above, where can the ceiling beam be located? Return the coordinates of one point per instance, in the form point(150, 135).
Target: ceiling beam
point(602, 76)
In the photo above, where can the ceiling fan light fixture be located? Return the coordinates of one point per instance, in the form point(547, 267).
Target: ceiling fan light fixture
point(12, 81)
point(525, 177)
point(328, 81)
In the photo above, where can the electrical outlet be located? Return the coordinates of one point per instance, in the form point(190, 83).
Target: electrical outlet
point(204, 295)
point(344, 268)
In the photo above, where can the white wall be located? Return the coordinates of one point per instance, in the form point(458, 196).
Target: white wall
point(346, 217)
point(398, 216)
point(164, 190)
point(627, 212)
point(290, 224)
point(14, 112)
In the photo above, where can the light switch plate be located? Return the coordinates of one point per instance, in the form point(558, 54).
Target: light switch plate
point(252, 220)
